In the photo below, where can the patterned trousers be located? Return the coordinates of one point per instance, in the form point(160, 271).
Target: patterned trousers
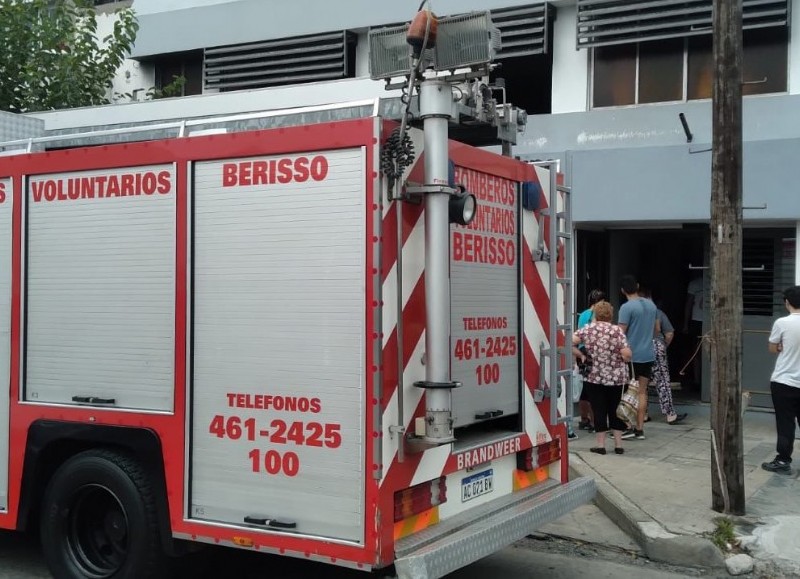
point(660, 378)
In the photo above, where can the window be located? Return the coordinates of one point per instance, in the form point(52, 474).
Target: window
point(526, 56)
point(521, 91)
point(186, 65)
point(652, 72)
point(615, 75)
point(661, 71)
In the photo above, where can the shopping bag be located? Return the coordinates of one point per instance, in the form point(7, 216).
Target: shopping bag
point(577, 385)
point(628, 407)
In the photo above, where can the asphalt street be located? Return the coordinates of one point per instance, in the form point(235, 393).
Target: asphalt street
point(543, 559)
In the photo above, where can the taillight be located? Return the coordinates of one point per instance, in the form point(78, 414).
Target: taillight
point(540, 455)
point(419, 498)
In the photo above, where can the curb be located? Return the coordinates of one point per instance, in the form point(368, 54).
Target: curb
point(657, 543)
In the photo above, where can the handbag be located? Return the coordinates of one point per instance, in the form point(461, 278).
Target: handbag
point(628, 407)
point(585, 367)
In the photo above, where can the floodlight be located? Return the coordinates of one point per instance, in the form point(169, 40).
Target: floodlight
point(390, 53)
point(463, 41)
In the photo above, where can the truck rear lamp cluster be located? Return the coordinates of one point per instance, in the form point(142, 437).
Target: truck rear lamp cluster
point(419, 498)
point(540, 455)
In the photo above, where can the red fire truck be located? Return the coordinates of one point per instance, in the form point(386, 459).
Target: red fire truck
point(229, 339)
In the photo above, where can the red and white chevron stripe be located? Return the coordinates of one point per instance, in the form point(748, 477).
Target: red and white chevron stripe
point(422, 466)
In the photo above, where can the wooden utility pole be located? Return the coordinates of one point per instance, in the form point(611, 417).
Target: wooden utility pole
point(727, 469)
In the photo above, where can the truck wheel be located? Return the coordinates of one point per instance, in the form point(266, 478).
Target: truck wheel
point(99, 519)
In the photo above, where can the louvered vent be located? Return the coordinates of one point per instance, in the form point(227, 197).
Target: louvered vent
point(525, 30)
point(604, 22)
point(280, 62)
point(767, 268)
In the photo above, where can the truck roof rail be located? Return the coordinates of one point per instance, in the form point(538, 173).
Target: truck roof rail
point(182, 125)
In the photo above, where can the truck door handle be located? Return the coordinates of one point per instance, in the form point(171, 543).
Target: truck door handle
point(488, 414)
point(271, 523)
point(93, 400)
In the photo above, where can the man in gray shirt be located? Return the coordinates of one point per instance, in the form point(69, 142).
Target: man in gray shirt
point(638, 319)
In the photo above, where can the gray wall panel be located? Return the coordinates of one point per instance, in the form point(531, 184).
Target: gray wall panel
point(187, 26)
point(638, 158)
point(672, 183)
point(640, 184)
point(764, 118)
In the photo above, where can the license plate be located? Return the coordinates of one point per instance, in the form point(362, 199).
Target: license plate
point(476, 485)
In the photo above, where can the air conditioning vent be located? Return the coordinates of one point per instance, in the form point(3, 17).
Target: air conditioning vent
point(605, 22)
point(280, 62)
point(525, 30)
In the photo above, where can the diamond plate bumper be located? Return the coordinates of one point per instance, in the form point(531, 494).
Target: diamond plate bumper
point(512, 518)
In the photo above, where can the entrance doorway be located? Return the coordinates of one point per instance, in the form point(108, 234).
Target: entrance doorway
point(665, 260)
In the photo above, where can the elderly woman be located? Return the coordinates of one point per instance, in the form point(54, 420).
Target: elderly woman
point(587, 422)
point(606, 344)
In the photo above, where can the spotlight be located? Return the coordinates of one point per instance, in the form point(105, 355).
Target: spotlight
point(463, 208)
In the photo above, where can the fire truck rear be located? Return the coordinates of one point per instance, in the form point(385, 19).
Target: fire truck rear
point(339, 341)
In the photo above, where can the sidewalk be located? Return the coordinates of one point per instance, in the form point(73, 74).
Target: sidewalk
point(659, 492)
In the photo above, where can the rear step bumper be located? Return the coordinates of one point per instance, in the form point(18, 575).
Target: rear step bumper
point(507, 520)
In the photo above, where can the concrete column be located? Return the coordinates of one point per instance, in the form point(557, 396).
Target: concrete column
point(796, 243)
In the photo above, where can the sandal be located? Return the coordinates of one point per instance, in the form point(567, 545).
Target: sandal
point(598, 450)
point(619, 450)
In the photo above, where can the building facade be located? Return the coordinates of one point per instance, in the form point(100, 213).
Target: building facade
point(618, 91)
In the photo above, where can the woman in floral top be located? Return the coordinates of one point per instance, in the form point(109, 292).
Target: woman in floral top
point(609, 350)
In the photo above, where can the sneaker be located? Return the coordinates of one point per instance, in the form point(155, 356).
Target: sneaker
point(678, 418)
point(638, 434)
point(778, 465)
point(585, 425)
point(572, 436)
point(630, 433)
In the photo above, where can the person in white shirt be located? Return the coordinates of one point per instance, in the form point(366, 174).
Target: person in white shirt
point(784, 340)
point(693, 325)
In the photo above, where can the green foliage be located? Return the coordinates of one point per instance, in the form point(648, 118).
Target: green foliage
point(724, 535)
point(51, 57)
point(173, 89)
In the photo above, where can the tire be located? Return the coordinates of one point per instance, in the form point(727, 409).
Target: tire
point(99, 520)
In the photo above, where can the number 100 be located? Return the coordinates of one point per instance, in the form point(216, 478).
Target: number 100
point(272, 462)
point(488, 374)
